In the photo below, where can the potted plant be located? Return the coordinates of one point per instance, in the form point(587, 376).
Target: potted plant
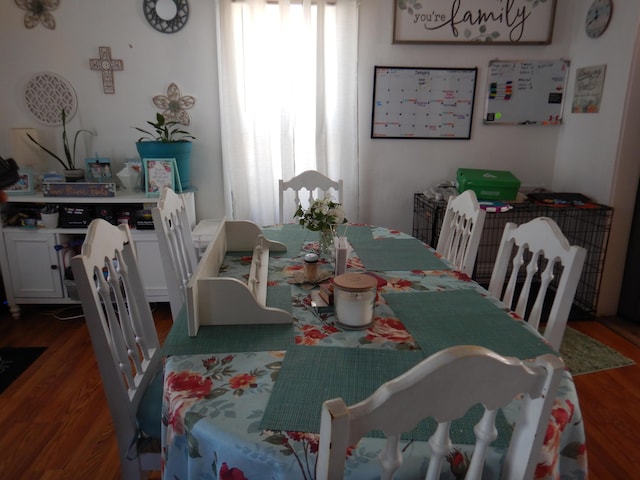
point(167, 140)
point(71, 172)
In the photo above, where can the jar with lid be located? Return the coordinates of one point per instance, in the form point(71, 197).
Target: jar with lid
point(310, 267)
point(354, 298)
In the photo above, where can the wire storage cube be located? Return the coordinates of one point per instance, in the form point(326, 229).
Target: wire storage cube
point(587, 226)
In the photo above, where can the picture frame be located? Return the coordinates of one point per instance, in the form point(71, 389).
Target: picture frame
point(478, 22)
point(587, 93)
point(160, 173)
point(23, 186)
point(423, 102)
point(98, 170)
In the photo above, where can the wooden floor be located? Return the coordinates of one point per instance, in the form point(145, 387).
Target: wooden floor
point(54, 422)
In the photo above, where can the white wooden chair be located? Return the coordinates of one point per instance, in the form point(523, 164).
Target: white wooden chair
point(534, 250)
point(177, 248)
point(461, 231)
point(444, 386)
point(125, 342)
point(308, 186)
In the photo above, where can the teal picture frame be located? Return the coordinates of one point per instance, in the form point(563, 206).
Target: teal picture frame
point(160, 173)
point(24, 185)
point(98, 170)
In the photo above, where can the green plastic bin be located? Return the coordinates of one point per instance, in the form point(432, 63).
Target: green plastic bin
point(488, 184)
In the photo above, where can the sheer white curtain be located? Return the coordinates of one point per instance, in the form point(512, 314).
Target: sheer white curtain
point(288, 98)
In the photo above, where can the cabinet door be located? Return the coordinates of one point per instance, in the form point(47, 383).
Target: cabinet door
point(150, 266)
point(33, 261)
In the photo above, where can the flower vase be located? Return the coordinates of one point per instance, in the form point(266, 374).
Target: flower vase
point(326, 241)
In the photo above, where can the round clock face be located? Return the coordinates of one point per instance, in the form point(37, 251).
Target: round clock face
point(598, 17)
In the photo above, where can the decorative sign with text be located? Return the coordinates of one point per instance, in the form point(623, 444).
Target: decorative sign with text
point(513, 22)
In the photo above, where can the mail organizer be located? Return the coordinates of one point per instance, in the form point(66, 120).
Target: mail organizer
point(215, 300)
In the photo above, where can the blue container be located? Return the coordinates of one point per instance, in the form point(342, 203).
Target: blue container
point(181, 151)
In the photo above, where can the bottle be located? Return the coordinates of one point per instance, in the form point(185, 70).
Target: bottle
point(310, 267)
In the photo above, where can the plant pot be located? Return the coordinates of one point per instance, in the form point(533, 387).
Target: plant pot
point(181, 151)
point(49, 220)
point(75, 175)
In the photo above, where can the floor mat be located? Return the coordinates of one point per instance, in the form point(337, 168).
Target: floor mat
point(583, 354)
point(14, 361)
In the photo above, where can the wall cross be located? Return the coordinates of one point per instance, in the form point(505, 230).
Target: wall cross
point(107, 66)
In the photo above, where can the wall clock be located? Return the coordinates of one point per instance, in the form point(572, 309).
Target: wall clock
point(166, 16)
point(598, 17)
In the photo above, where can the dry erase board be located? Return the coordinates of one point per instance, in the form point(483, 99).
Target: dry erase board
point(410, 102)
point(526, 92)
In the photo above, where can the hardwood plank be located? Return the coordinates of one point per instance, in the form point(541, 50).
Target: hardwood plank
point(609, 402)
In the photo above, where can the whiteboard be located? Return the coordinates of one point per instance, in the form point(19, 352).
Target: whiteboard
point(410, 102)
point(526, 92)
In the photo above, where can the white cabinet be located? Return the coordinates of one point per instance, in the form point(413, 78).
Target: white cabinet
point(34, 268)
point(34, 260)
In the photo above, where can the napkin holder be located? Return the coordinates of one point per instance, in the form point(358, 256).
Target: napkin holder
point(215, 300)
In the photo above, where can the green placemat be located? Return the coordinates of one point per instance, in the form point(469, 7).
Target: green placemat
point(398, 254)
point(311, 375)
point(233, 338)
point(357, 235)
point(291, 235)
point(438, 320)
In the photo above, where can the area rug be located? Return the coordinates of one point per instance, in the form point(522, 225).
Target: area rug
point(583, 354)
point(14, 361)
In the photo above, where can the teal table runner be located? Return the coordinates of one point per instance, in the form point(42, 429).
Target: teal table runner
point(233, 338)
point(388, 254)
point(438, 320)
point(293, 236)
point(311, 375)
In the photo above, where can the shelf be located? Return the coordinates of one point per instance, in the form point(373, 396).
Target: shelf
point(122, 196)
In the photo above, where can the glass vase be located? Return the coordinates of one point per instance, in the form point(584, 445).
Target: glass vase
point(326, 241)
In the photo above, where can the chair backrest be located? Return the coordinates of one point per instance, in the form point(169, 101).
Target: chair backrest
point(177, 248)
point(461, 231)
point(123, 335)
point(308, 186)
point(540, 257)
point(444, 386)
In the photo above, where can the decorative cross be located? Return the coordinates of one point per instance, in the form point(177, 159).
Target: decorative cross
point(107, 66)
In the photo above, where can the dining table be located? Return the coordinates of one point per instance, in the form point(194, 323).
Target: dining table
point(244, 401)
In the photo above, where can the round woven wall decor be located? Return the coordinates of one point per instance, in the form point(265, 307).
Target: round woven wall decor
point(166, 25)
point(46, 94)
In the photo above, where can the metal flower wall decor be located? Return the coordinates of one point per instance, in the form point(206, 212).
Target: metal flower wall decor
point(174, 106)
point(38, 11)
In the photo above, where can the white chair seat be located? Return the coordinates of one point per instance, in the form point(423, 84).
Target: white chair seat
point(176, 244)
point(537, 258)
point(444, 386)
point(461, 231)
point(125, 342)
point(308, 186)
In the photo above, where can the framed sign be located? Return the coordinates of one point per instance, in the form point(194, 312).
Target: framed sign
point(98, 170)
point(413, 102)
point(24, 185)
point(512, 22)
point(587, 93)
point(160, 173)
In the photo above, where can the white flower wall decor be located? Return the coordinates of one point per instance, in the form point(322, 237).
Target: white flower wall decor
point(174, 105)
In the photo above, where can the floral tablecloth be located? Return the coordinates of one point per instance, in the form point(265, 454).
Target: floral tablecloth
point(214, 403)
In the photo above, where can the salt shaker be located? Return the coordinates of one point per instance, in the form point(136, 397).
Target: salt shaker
point(310, 267)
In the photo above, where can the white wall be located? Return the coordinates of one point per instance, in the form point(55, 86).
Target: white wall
point(391, 170)
point(152, 60)
point(598, 153)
